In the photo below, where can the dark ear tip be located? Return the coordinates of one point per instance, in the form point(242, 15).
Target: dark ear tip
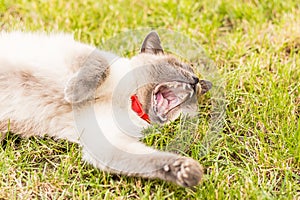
point(206, 83)
point(205, 86)
point(153, 33)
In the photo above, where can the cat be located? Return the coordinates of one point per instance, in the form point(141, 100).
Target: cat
point(51, 84)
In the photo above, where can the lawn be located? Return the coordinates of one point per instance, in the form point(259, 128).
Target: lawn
point(255, 46)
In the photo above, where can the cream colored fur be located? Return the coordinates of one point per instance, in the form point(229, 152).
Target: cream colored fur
point(35, 70)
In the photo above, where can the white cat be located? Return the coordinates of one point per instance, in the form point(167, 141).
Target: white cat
point(51, 84)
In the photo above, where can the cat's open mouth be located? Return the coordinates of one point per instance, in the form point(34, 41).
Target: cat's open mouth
point(169, 95)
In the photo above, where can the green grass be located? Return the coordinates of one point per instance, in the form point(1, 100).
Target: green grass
point(255, 46)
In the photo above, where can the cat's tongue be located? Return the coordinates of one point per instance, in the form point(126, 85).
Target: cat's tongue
point(166, 100)
point(162, 103)
point(159, 99)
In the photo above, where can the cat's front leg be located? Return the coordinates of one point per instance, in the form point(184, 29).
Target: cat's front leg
point(113, 149)
point(133, 158)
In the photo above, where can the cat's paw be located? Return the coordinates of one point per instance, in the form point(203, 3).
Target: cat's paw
point(184, 171)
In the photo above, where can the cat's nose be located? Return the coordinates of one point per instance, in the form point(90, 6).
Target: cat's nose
point(196, 79)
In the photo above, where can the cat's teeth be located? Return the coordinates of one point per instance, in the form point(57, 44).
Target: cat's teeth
point(176, 85)
point(181, 96)
point(191, 93)
point(154, 99)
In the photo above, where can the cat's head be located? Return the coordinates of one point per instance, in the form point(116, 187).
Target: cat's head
point(171, 85)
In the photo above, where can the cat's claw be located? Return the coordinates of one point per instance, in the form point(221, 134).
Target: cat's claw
point(184, 171)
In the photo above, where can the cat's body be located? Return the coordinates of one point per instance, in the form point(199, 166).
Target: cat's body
point(49, 84)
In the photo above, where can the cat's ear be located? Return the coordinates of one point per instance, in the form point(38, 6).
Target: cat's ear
point(152, 44)
point(204, 86)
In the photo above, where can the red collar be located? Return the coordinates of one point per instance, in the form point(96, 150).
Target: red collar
point(136, 106)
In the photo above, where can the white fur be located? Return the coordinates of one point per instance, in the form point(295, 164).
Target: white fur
point(48, 61)
point(51, 56)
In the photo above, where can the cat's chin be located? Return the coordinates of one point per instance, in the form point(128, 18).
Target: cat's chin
point(168, 96)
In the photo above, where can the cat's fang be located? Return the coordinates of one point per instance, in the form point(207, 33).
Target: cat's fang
point(176, 85)
point(154, 99)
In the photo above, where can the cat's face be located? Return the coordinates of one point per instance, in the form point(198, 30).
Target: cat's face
point(171, 86)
